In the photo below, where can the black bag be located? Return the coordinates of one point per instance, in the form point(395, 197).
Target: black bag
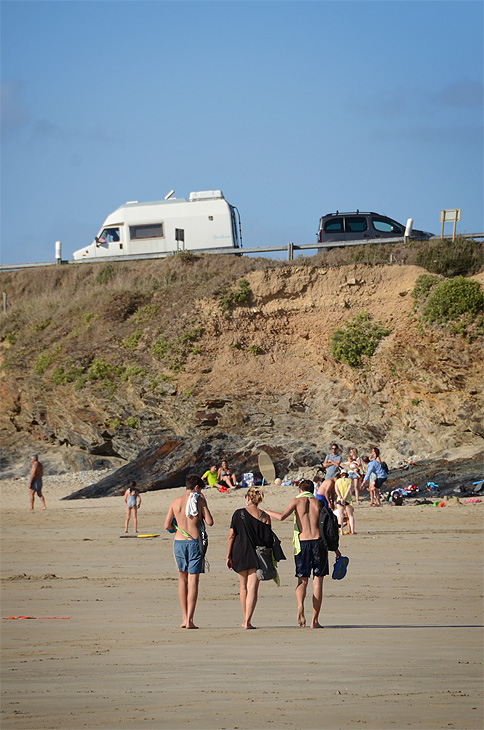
point(266, 569)
point(328, 527)
point(202, 538)
point(385, 467)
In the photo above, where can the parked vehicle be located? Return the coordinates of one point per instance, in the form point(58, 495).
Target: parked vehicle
point(206, 221)
point(361, 227)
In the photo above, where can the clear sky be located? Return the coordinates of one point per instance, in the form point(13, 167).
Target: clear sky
point(294, 109)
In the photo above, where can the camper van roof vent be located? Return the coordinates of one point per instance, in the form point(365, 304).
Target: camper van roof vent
point(206, 195)
point(131, 202)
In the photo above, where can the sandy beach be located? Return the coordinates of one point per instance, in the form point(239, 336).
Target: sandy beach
point(402, 644)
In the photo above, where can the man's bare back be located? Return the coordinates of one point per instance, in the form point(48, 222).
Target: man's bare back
point(36, 471)
point(189, 524)
point(327, 489)
point(307, 518)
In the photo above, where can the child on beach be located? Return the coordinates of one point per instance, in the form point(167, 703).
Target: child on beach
point(132, 498)
point(344, 504)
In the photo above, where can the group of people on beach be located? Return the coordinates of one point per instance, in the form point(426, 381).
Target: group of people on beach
point(222, 478)
point(344, 480)
point(250, 528)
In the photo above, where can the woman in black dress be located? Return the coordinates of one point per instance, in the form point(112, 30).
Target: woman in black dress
point(248, 524)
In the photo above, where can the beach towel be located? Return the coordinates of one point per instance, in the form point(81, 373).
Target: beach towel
point(191, 510)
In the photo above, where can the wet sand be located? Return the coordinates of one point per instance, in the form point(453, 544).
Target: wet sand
point(402, 644)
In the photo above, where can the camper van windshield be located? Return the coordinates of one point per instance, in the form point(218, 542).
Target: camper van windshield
point(109, 235)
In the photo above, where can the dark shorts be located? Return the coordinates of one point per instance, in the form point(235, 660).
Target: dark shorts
point(379, 483)
point(36, 484)
point(187, 556)
point(313, 557)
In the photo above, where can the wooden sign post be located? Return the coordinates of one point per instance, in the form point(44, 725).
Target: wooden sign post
point(449, 216)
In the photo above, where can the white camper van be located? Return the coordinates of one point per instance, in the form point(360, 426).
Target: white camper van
point(204, 222)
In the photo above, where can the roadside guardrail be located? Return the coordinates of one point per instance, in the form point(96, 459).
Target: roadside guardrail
point(289, 247)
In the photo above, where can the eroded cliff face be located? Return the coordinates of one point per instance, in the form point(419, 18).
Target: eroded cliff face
point(419, 394)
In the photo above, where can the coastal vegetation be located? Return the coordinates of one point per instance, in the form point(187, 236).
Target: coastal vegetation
point(358, 338)
point(457, 303)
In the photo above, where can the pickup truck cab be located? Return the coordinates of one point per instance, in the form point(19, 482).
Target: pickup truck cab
point(360, 226)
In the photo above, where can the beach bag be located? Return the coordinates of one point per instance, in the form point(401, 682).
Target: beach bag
point(266, 569)
point(328, 527)
point(385, 467)
point(202, 538)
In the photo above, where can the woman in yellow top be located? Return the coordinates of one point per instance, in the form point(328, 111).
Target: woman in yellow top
point(344, 503)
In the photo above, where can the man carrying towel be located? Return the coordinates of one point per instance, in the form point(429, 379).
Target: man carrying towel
point(184, 514)
point(310, 553)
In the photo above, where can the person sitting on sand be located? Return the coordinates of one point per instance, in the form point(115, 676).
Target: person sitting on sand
point(310, 553)
point(210, 476)
point(241, 556)
point(226, 477)
point(344, 503)
point(35, 481)
point(397, 498)
point(132, 497)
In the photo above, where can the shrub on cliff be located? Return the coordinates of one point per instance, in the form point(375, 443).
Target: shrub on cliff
point(457, 303)
point(359, 336)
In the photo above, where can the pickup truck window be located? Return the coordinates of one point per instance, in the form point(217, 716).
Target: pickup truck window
point(153, 230)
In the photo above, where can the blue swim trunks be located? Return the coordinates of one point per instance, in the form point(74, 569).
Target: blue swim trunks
point(313, 557)
point(36, 484)
point(187, 556)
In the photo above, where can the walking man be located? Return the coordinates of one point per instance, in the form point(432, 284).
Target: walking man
point(183, 517)
point(310, 553)
point(35, 481)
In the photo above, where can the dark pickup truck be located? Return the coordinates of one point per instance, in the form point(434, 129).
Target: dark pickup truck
point(361, 227)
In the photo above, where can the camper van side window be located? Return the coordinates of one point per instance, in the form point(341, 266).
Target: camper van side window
point(153, 230)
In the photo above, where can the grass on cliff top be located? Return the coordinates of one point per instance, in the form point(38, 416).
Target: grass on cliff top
point(144, 317)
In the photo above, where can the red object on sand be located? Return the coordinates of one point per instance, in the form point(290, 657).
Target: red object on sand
point(35, 617)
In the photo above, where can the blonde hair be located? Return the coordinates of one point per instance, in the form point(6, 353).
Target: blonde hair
point(255, 495)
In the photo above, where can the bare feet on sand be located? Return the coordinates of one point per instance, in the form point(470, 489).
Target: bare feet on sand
point(316, 625)
point(301, 618)
point(248, 626)
point(190, 625)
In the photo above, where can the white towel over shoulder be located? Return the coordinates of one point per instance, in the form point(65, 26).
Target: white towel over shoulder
point(191, 510)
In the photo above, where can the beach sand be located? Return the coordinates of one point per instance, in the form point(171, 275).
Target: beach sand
point(402, 644)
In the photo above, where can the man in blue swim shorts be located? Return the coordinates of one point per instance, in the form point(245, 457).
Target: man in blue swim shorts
point(35, 482)
point(183, 518)
point(310, 554)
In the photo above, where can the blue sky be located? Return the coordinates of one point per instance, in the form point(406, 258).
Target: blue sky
point(294, 109)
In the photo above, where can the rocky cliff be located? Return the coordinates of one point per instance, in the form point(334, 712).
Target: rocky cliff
point(102, 363)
